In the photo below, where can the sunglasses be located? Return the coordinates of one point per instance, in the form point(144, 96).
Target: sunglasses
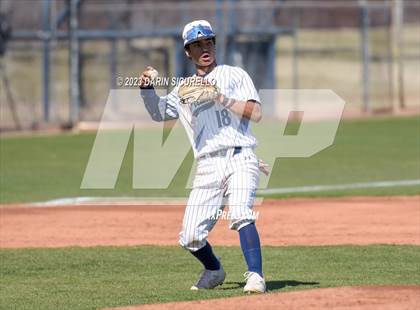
point(198, 32)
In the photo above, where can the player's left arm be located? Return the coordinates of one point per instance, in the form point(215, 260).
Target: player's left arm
point(250, 109)
point(246, 103)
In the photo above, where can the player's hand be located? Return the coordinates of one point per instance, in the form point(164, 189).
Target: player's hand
point(220, 98)
point(146, 77)
point(264, 168)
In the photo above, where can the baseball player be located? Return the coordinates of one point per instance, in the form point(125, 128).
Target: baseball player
point(216, 116)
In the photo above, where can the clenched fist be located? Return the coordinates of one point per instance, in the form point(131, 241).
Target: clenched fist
point(147, 77)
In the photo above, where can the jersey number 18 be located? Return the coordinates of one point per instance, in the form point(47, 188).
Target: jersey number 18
point(223, 118)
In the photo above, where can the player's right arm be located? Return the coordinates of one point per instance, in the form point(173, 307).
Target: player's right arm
point(159, 108)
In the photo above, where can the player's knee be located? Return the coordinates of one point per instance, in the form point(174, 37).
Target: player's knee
point(191, 241)
point(241, 216)
point(237, 224)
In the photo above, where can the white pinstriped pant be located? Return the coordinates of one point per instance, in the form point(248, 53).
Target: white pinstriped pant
point(230, 180)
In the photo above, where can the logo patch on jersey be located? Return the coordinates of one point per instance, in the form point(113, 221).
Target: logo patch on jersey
point(198, 108)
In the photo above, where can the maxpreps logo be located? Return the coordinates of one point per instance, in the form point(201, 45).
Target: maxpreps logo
point(227, 215)
point(153, 168)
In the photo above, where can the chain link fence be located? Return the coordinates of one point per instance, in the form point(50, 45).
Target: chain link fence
point(368, 52)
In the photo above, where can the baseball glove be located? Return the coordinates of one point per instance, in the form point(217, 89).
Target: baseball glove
point(197, 90)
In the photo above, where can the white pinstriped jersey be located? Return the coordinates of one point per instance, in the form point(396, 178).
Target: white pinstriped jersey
point(211, 127)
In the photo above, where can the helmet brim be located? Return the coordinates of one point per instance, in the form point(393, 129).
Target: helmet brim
point(199, 39)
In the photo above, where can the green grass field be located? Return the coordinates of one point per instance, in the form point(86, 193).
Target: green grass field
point(92, 278)
point(47, 167)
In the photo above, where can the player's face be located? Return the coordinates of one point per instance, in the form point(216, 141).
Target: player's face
point(202, 52)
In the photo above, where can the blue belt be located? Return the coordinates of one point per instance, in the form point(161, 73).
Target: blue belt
point(237, 150)
point(222, 153)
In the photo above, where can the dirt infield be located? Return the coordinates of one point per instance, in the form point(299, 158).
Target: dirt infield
point(362, 220)
point(366, 298)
